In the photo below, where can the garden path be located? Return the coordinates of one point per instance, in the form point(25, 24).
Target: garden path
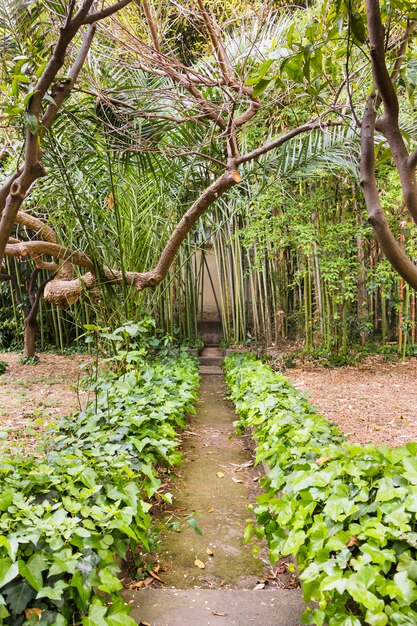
point(214, 486)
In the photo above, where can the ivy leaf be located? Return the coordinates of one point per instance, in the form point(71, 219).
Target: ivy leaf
point(96, 616)
point(32, 571)
point(53, 593)
point(19, 593)
point(194, 524)
point(8, 571)
point(109, 582)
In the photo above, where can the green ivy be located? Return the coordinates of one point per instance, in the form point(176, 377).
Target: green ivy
point(348, 513)
point(69, 517)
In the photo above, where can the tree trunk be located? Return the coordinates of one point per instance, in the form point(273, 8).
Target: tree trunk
point(30, 337)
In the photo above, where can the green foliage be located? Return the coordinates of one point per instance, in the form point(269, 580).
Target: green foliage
point(347, 513)
point(68, 516)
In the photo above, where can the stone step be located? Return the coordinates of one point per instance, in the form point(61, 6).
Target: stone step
point(211, 369)
point(223, 607)
point(211, 360)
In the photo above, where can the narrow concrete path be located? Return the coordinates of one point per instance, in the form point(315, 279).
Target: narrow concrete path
point(213, 483)
point(213, 486)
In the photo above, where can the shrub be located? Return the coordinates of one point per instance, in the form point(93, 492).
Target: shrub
point(347, 512)
point(66, 518)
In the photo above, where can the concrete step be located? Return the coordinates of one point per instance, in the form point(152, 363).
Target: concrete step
point(211, 369)
point(211, 360)
point(224, 607)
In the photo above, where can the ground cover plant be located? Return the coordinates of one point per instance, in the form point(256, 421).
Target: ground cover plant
point(68, 517)
point(347, 512)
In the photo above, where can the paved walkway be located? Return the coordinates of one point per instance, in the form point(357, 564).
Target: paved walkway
point(214, 485)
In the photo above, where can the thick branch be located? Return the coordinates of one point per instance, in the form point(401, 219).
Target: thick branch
point(37, 225)
point(388, 124)
point(382, 77)
point(35, 249)
point(376, 216)
point(227, 180)
point(35, 295)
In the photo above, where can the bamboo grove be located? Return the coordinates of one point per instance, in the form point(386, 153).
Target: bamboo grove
point(286, 248)
point(295, 261)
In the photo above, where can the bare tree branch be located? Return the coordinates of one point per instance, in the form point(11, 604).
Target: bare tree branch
point(101, 15)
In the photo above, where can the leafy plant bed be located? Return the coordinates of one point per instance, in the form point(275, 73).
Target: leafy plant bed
point(67, 519)
point(348, 513)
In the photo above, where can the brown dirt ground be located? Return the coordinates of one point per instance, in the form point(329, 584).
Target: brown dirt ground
point(374, 402)
point(33, 396)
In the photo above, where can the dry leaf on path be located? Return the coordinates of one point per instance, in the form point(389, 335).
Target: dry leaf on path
point(219, 474)
point(236, 480)
point(209, 551)
point(136, 585)
point(199, 564)
point(155, 575)
point(219, 614)
point(210, 510)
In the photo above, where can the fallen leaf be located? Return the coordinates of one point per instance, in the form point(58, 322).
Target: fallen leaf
point(155, 575)
point(34, 611)
point(259, 586)
point(219, 614)
point(323, 459)
point(219, 474)
point(199, 564)
point(221, 583)
point(144, 624)
point(209, 551)
point(236, 480)
point(353, 541)
point(247, 464)
point(210, 510)
point(136, 585)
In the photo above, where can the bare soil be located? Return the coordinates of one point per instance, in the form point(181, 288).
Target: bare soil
point(373, 402)
point(33, 396)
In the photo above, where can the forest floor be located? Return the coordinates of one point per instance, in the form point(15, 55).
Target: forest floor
point(35, 395)
point(375, 401)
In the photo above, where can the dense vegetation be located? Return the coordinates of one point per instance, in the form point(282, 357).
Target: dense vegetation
point(70, 513)
point(138, 139)
point(139, 133)
point(347, 512)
